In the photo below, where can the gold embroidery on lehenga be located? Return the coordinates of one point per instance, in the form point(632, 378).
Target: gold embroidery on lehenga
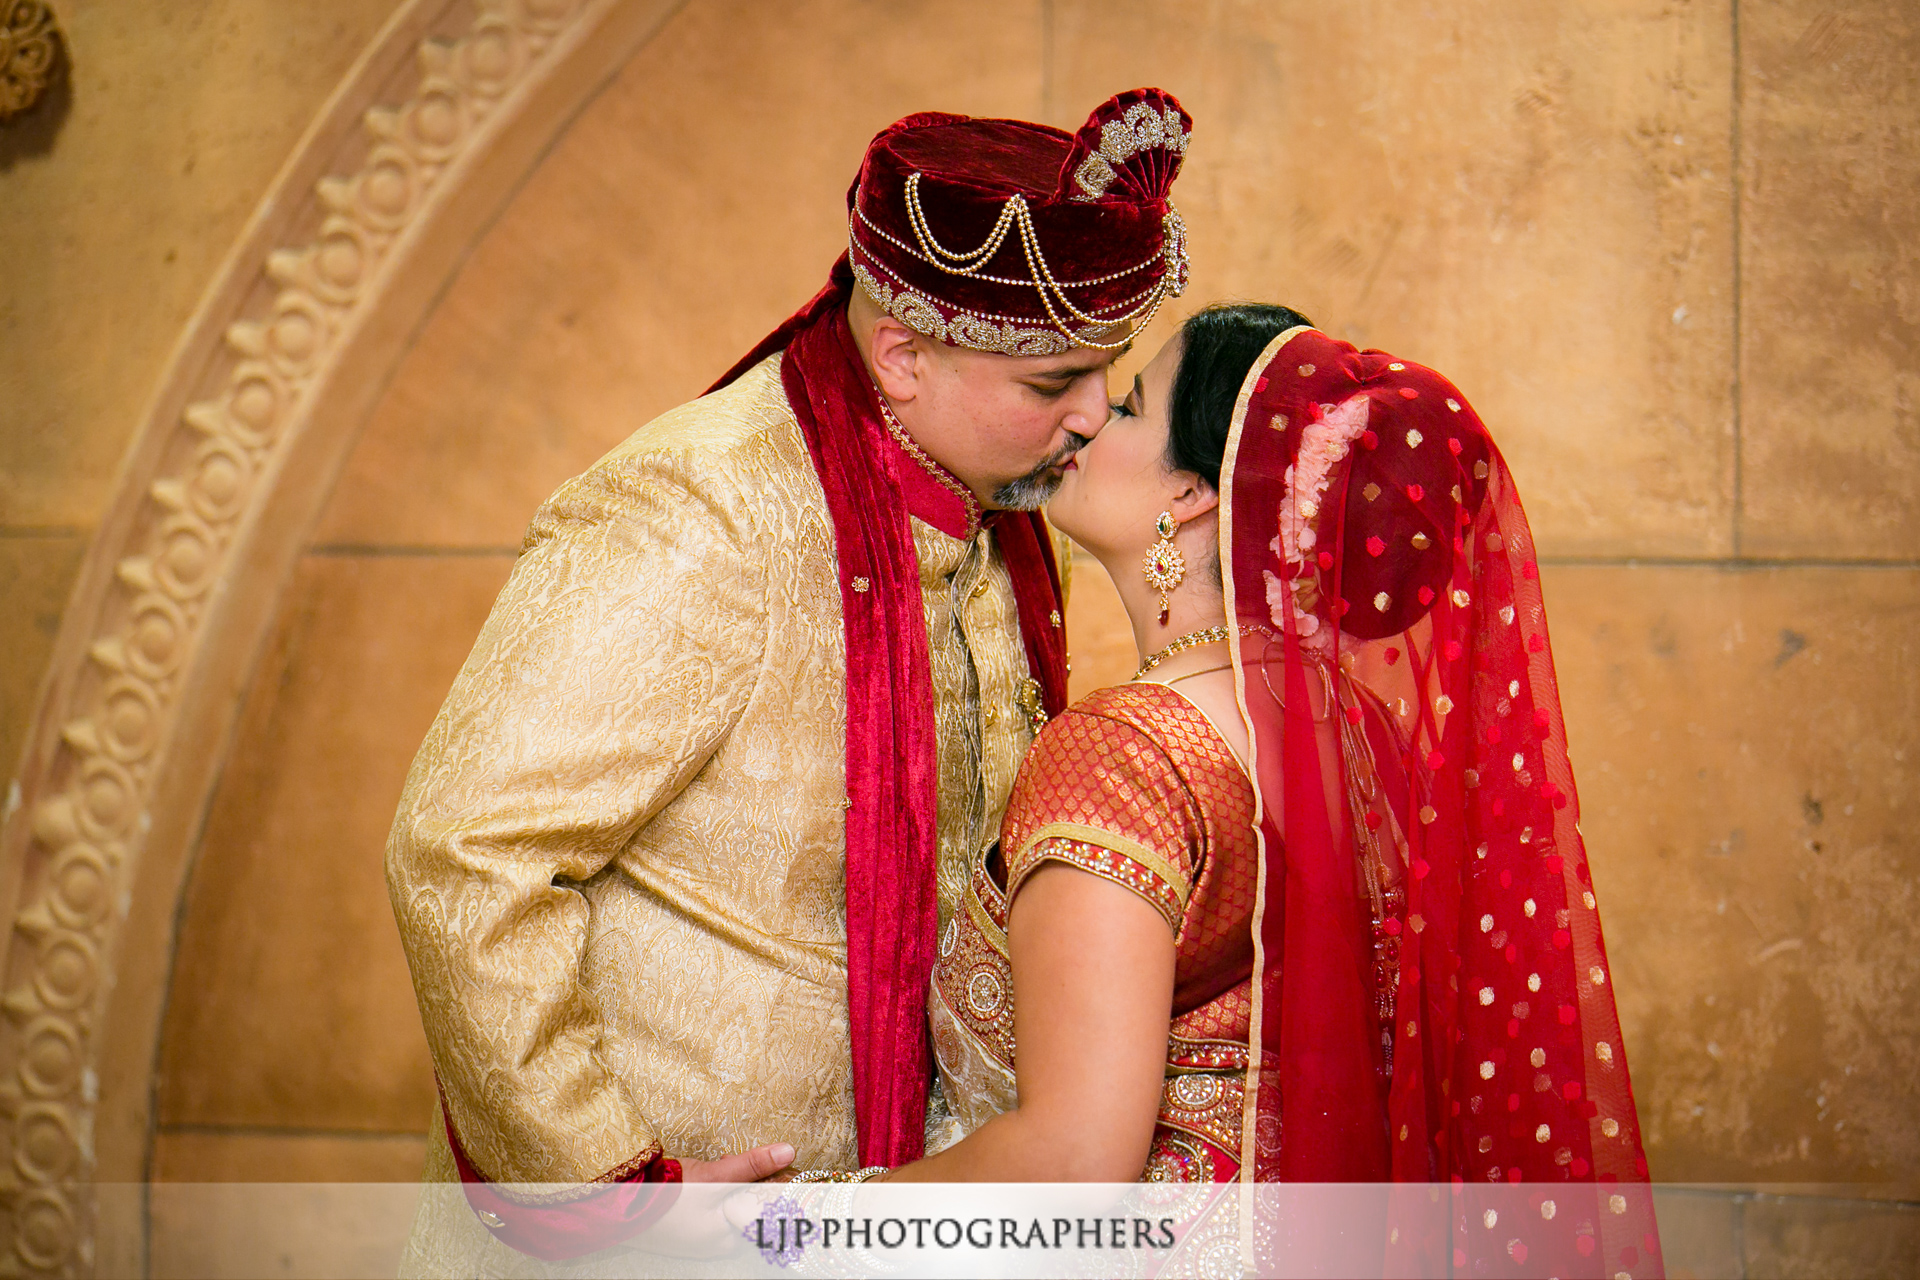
point(1206, 1105)
point(1175, 1157)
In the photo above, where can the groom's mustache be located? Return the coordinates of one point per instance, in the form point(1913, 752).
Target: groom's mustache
point(1031, 491)
point(1075, 443)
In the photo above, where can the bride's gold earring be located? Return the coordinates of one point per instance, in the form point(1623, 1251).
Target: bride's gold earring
point(1164, 567)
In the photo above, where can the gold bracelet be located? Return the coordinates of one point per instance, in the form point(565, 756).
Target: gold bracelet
point(867, 1174)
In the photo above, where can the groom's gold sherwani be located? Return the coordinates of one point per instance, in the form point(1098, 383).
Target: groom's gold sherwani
point(618, 866)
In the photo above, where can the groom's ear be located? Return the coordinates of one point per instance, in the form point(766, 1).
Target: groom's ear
point(896, 356)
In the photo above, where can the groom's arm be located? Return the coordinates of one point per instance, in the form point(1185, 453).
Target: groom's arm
point(612, 666)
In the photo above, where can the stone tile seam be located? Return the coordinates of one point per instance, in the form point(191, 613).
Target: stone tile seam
point(378, 551)
point(1738, 514)
point(192, 1130)
point(1746, 1197)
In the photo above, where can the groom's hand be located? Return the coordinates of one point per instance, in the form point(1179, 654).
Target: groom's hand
point(745, 1166)
point(708, 1226)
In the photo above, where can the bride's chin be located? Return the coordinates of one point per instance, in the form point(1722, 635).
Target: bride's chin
point(1061, 506)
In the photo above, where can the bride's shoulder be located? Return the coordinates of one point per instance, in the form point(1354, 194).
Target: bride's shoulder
point(1118, 751)
point(1138, 705)
point(1122, 719)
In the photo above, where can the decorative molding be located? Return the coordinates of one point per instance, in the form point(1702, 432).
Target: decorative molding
point(264, 397)
point(30, 46)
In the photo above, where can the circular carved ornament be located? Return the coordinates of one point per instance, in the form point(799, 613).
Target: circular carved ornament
point(29, 54)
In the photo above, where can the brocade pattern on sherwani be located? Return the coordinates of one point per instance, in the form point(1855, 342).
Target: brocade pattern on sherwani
point(618, 865)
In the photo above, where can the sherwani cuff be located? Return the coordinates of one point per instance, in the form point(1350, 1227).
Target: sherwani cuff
point(569, 1222)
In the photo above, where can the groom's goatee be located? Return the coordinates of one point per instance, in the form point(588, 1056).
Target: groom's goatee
point(1031, 491)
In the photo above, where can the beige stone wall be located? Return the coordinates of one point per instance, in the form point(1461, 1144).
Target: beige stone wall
point(119, 197)
point(1667, 248)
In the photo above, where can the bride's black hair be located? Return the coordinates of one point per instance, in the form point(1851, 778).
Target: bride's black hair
point(1219, 345)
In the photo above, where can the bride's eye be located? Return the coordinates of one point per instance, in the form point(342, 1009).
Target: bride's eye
point(1120, 410)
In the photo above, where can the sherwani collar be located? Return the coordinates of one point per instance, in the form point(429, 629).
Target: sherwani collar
point(932, 494)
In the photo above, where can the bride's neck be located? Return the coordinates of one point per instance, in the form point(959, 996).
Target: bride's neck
point(1196, 604)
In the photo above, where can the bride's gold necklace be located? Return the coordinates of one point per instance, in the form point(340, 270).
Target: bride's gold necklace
point(1191, 640)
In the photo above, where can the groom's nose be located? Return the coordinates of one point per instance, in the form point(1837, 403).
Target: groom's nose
point(1087, 408)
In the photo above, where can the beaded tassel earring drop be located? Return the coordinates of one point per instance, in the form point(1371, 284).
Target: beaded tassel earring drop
point(1164, 566)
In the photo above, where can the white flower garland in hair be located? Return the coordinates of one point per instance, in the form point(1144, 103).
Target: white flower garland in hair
point(1323, 443)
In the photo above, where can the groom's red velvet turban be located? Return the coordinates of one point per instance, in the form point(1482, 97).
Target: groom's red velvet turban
point(1016, 238)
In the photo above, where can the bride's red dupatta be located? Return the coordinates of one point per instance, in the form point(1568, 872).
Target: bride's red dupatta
point(1434, 1000)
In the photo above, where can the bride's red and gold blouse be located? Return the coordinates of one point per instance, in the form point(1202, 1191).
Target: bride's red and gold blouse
point(1133, 784)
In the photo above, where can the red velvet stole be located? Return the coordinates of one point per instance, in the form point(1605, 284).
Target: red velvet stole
point(871, 488)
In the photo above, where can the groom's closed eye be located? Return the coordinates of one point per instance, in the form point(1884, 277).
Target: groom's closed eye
point(1057, 383)
point(1054, 383)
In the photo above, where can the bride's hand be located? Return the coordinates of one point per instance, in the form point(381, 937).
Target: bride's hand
point(707, 1226)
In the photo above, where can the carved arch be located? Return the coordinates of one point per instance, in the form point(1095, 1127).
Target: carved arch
point(440, 120)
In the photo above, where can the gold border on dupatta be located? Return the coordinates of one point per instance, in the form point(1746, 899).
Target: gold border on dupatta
point(1250, 1102)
